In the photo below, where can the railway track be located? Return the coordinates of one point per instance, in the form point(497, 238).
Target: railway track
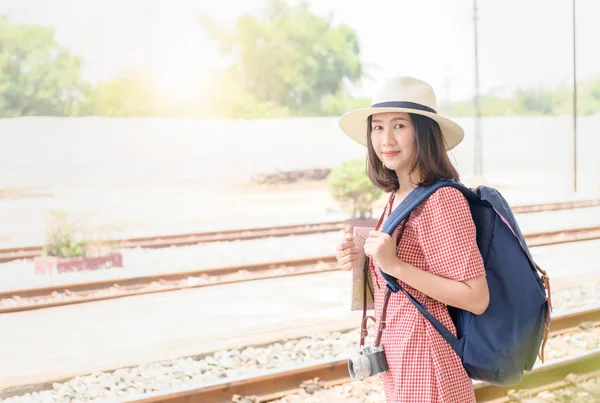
point(46, 297)
point(273, 386)
point(327, 373)
point(75, 293)
point(165, 241)
point(277, 384)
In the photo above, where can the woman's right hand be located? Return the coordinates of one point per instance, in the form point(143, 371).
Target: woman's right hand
point(346, 252)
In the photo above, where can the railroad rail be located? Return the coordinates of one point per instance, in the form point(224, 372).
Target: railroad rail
point(75, 293)
point(165, 241)
point(277, 384)
point(273, 385)
point(47, 297)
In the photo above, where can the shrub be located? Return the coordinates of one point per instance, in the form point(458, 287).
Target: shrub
point(66, 237)
point(351, 187)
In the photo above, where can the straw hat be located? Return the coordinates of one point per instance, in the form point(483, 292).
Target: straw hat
point(401, 94)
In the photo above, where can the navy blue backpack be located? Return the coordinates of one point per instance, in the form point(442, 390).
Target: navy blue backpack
point(503, 342)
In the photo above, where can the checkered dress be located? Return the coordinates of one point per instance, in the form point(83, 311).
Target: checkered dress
point(440, 238)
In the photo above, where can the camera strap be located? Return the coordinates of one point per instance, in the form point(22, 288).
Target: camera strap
point(363, 326)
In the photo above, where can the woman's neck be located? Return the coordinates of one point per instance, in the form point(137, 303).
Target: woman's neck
point(407, 182)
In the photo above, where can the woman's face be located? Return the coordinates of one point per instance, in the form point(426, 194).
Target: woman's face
point(393, 138)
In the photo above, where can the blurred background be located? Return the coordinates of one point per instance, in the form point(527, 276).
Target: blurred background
point(158, 102)
point(147, 103)
point(151, 118)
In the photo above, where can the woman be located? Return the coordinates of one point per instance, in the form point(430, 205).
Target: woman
point(436, 258)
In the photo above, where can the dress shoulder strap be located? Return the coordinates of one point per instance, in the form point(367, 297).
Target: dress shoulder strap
point(386, 211)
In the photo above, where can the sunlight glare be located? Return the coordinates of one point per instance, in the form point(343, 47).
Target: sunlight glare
point(185, 66)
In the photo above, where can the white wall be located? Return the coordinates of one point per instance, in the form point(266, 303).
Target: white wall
point(43, 151)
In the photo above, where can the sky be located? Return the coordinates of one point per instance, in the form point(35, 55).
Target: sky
point(521, 43)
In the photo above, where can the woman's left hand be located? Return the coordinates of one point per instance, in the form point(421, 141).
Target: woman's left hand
point(382, 248)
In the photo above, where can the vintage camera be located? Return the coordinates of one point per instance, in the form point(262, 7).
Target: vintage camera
point(370, 361)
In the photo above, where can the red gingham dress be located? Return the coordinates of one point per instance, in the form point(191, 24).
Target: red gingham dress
point(439, 237)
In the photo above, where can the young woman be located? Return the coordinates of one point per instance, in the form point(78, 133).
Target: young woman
point(436, 259)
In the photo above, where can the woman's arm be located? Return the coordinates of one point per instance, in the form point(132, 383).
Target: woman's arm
point(447, 239)
point(472, 295)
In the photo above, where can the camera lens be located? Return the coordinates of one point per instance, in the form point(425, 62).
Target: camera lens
point(359, 367)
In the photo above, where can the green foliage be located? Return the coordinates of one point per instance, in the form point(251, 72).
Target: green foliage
point(498, 106)
point(37, 76)
point(286, 61)
point(68, 237)
point(338, 104)
point(233, 102)
point(533, 101)
point(594, 89)
point(350, 186)
point(491, 105)
point(63, 237)
point(130, 94)
point(539, 101)
point(588, 99)
point(289, 59)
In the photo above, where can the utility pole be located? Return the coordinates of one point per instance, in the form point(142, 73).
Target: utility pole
point(478, 166)
point(574, 104)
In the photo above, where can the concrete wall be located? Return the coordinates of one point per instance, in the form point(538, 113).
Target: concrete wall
point(43, 151)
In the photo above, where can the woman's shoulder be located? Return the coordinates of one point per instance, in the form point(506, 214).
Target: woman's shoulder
point(445, 195)
point(445, 200)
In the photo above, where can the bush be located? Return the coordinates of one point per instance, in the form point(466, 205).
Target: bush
point(63, 238)
point(351, 186)
point(66, 237)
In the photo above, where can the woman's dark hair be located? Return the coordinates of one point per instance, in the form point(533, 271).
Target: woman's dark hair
point(429, 157)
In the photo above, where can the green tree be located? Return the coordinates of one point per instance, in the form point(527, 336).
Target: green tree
point(533, 102)
point(37, 75)
point(340, 103)
point(231, 101)
point(594, 89)
point(289, 58)
point(588, 102)
point(540, 101)
point(130, 94)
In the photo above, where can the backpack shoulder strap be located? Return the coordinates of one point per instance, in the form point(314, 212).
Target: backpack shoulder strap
point(417, 196)
point(412, 201)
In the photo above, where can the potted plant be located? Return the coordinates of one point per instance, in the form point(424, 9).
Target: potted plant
point(351, 187)
point(68, 248)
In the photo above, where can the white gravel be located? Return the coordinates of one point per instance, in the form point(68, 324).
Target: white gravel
point(576, 298)
point(200, 370)
point(251, 361)
point(196, 370)
point(370, 390)
point(578, 390)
